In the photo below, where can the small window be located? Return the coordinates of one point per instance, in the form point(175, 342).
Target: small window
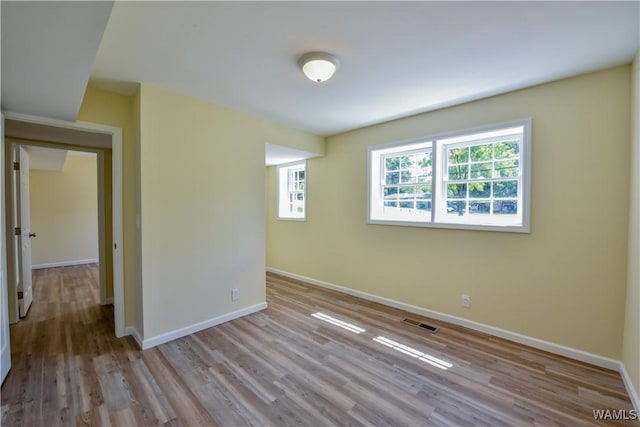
point(292, 195)
point(476, 179)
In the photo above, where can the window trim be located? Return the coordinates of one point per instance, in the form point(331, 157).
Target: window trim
point(288, 166)
point(437, 164)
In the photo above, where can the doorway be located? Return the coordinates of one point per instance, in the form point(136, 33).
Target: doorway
point(63, 223)
point(83, 137)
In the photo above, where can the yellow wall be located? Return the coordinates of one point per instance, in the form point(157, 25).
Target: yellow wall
point(64, 212)
point(564, 282)
point(202, 207)
point(113, 109)
point(631, 347)
point(134, 184)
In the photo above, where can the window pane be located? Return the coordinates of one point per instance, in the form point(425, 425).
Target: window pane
point(480, 190)
point(423, 205)
point(424, 191)
point(456, 208)
point(408, 205)
point(507, 168)
point(505, 207)
point(482, 152)
point(300, 196)
point(507, 149)
point(456, 191)
point(425, 177)
point(390, 192)
point(300, 175)
point(424, 160)
point(407, 192)
point(458, 155)
point(505, 189)
point(391, 204)
point(480, 207)
point(458, 172)
point(392, 178)
point(407, 161)
point(481, 170)
point(406, 177)
point(392, 163)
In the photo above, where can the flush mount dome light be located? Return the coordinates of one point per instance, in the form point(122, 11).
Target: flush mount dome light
point(318, 66)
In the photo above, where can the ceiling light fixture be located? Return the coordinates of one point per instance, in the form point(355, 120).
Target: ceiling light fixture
point(318, 66)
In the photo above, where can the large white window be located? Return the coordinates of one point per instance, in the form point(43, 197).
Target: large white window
point(292, 191)
point(475, 179)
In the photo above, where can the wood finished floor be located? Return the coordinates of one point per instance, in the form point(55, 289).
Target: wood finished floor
point(284, 367)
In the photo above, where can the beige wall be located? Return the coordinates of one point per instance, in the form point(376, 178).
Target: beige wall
point(136, 244)
point(178, 219)
point(64, 212)
point(564, 282)
point(113, 109)
point(631, 346)
point(202, 207)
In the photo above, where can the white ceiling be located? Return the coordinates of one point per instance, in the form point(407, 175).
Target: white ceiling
point(398, 58)
point(48, 49)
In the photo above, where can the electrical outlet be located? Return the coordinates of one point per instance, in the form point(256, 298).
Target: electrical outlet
point(466, 301)
point(235, 294)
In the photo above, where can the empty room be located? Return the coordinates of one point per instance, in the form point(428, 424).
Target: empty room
point(320, 213)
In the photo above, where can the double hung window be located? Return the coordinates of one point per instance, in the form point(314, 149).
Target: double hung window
point(292, 191)
point(476, 179)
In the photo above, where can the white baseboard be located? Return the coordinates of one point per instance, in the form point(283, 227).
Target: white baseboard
point(64, 263)
point(572, 353)
point(131, 330)
point(633, 395)
point(191, 329)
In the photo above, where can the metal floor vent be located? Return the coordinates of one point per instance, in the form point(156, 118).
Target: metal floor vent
point(422, 325)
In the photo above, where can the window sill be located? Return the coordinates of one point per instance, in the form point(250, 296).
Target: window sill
point(453, 226)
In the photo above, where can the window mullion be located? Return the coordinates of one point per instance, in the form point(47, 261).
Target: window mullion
point(435, 180)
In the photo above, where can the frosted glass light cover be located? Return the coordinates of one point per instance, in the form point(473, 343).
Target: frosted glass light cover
point(318, 66)
point(319, 70)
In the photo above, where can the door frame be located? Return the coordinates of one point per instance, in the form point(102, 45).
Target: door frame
point(5, 336)
point(116, 152)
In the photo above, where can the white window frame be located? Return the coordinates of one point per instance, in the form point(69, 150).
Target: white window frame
point(438, 217)
point(283, 189)
point(383, 152)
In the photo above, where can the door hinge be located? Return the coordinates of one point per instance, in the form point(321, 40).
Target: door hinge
point(16, 166)
point(17, 231)
point(20, 295)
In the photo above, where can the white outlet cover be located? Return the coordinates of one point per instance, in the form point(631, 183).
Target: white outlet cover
point(466, 300)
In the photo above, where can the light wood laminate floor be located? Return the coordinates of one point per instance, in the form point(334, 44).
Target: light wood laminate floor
point(284, 367)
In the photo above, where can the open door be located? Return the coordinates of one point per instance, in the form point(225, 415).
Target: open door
point(23, 230)
point(5, 348)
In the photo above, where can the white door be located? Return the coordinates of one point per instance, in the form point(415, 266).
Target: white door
point(5, 349)
point(25, 291)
